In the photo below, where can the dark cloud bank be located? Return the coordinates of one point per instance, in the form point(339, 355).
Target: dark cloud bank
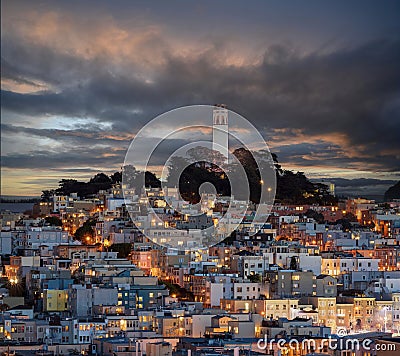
point(337, 108)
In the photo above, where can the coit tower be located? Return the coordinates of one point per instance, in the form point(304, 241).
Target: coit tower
point(220, 130)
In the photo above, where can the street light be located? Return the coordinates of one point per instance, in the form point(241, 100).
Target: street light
point(106, 244)
point(269, 189)
point(14, 281)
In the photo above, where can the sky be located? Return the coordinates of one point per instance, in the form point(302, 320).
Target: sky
point(320, 80)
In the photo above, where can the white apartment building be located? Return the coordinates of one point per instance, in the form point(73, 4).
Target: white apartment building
point(37, 236)
point(341, 265)
point(246, 291)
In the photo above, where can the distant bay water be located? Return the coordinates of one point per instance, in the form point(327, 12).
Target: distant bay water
point(17, 204)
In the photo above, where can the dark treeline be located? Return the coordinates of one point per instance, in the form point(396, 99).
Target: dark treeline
point(84, 189)
point(292, 187)
point(100, 181)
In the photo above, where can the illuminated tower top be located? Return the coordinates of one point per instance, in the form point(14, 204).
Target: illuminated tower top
point(220, 130)
point(220, 115)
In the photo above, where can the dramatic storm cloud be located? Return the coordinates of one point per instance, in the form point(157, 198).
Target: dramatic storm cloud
point(79, 79)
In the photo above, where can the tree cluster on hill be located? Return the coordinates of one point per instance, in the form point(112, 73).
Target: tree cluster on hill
point(133, 178)
point(192, 171)
point(292, 187)
point(86, 231)
point(53, 221)
point(312, 214)
point(99, 182)
point(123, 249)
point(194, 175)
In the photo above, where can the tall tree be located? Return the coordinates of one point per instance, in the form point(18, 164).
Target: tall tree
point(116, 177)
point(47, 195)
point(293, 263)
point(53, 221)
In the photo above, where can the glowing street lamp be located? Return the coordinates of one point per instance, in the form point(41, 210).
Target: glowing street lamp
point(269, 189)
point(14, 281)
point(106, 244)
point(88, 239)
